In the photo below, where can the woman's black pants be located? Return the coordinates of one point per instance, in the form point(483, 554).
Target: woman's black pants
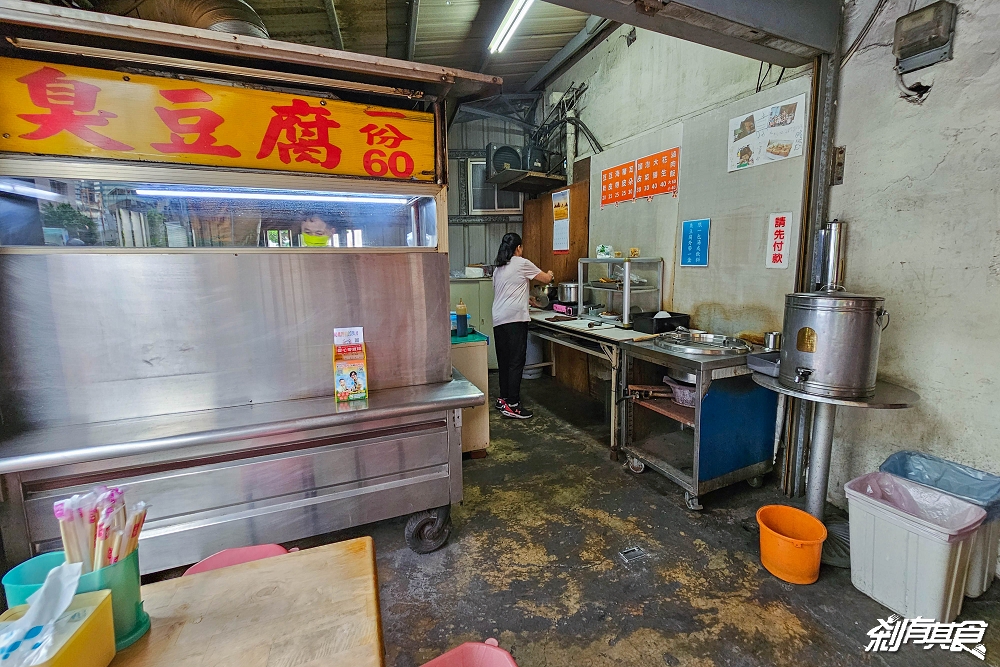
point(512, 346)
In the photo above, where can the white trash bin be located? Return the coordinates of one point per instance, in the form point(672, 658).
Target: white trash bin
point(976, 486)
point(910, 545)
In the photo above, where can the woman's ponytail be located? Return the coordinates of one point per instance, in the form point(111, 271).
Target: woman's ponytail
point(508, 245)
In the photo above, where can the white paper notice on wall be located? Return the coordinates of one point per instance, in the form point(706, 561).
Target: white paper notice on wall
point(779, 235)
point(773, 133)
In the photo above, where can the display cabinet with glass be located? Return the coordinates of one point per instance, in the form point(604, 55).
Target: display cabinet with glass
point(64, 212)
point(628, 286)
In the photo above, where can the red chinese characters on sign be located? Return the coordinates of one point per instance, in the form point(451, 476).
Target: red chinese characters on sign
point(776, 252)
point(70, 104)
point(618, 184)
point(379, 162)
point(197, 123)
point(656, 174)
point(302, 131)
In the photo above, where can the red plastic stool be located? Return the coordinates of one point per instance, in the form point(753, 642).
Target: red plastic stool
point(228, 557)
point(474, 654)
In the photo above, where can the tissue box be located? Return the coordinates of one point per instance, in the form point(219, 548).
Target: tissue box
point(86, 635)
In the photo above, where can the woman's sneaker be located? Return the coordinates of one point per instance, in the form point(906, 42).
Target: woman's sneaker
point(515, 411)
point(499, 404)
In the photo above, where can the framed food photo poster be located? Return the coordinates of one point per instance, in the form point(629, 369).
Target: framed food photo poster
point(770, 134)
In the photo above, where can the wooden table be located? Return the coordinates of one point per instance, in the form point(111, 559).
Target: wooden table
point(316, 607)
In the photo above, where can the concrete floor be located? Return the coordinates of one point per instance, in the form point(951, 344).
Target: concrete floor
point(533, 562)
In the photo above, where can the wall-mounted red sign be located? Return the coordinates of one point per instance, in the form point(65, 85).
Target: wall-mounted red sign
point(656, 174)
point(618, 184)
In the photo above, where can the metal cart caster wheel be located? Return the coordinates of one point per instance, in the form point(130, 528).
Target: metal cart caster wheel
point(756, 482)
point(427, 531)
point(692, 501)
point(635, 465)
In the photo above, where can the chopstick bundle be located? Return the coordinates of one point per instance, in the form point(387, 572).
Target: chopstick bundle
point(96, 528)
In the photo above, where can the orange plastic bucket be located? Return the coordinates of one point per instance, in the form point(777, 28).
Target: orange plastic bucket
point(791, 543)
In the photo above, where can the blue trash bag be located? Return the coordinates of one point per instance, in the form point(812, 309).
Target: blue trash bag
point(977, 487)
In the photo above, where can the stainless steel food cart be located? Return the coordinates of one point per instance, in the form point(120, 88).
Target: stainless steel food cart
point(167, 319)
point(727, 437)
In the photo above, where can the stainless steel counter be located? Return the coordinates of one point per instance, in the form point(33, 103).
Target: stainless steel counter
point(719, 365)
point(82, 443)
point(232, 477)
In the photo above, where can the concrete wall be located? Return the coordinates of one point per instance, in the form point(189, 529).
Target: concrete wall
point(650, 226)
point(656, 82)
point(663, 92)
point(736, 292)
point(920, 195)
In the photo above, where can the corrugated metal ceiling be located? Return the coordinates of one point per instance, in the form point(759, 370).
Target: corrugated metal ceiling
point(452, 33)
point(457, 32)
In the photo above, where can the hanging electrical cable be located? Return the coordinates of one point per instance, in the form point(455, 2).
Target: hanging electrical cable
point(856, 44)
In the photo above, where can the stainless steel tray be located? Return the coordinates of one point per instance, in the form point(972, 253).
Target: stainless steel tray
point(687, 342)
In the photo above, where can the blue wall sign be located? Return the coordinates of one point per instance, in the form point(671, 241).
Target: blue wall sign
point(694, 242)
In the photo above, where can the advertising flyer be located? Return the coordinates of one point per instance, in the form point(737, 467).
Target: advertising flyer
point(350, 364)
point(774, 133)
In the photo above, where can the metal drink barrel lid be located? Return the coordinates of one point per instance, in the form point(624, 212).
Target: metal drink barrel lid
point(833, 300)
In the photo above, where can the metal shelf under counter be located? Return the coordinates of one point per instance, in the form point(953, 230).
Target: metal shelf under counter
point(727, 437)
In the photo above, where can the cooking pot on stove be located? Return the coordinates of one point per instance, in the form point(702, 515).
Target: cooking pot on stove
point(829, 346)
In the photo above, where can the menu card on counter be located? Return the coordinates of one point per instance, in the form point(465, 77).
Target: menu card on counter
point(350, 364)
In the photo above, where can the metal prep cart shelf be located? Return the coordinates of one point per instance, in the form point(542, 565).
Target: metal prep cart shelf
point(727, 437)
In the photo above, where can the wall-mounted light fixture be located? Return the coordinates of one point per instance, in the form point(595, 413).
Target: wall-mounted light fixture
point(509, 25)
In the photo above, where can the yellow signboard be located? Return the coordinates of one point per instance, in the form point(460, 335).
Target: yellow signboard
point(66, 110)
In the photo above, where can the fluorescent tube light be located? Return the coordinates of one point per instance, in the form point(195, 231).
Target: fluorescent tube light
point(509, 24)
point(270, 196)
point(15, 188)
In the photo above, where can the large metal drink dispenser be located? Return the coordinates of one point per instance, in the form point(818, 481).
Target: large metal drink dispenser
point(830, 343)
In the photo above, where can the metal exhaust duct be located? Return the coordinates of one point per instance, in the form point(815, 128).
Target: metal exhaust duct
point(232, 16)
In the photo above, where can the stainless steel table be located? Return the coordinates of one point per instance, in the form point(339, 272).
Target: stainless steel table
point(888, 396)
point(598, 339)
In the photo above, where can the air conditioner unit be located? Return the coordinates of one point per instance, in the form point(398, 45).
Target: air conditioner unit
point(534, 159)
point(500, 158)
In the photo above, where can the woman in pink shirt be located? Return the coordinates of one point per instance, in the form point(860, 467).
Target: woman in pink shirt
point(512, 277)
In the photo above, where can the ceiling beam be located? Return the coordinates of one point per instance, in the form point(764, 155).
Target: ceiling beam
point(411, 33)
point(788, 33)
point(491, 114)
point(331, 14)
point(595, 27)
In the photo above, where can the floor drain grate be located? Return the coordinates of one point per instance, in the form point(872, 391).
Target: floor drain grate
point(632, 554)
